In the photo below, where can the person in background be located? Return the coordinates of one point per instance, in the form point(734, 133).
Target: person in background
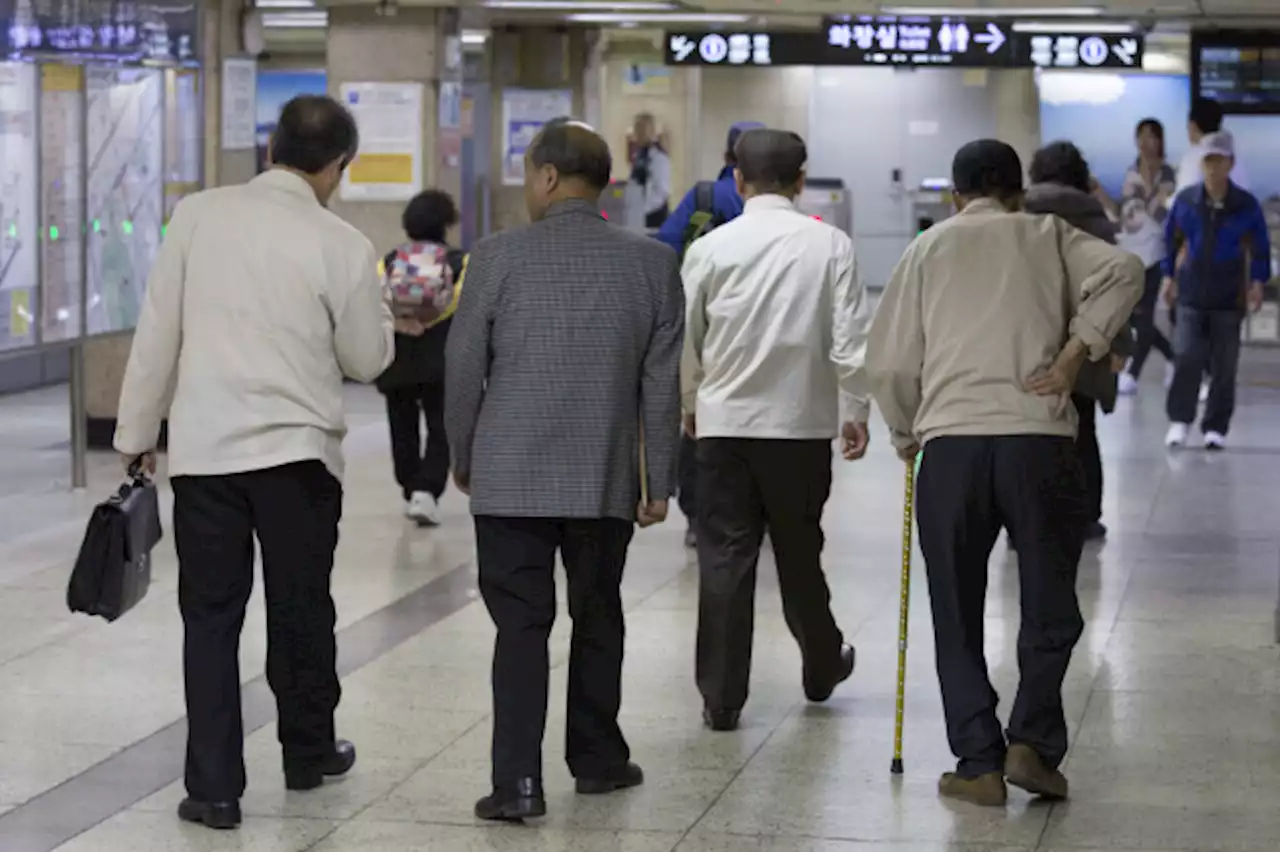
point(562, 385)
point(973, 355)
point(1060, 185)
point(648, 192)
point(777, 322)
point(1148, 190)
point(414, 383)
point(258, 304)
point(1204, 119)
point(1223, 232)
point(716, 202)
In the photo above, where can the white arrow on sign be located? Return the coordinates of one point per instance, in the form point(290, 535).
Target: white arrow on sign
point(681, 47)
point(1126, 51)
point(993, 38)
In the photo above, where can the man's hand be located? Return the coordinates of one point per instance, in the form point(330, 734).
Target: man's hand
point(1254, 296)
point(653, 512)
point(909, 453)
point(690, 425)
point(854, 439)
point(462, 482)
point(410, 326)
point(1060, 378)
point(1169, 290)
point(146, 462)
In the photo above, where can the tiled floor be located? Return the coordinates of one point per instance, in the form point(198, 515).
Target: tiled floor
point(1173, 697)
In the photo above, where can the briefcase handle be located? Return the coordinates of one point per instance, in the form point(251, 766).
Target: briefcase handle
point(135, 471)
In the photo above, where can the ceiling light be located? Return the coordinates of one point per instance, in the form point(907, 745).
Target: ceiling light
point(994, 11)
point(624, 18)
point(475, 36)
point(1092, 27)
point(317, 19)
point(581, 5)
point(284, 4)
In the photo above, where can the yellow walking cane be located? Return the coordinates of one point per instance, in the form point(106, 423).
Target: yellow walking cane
point(908, 509)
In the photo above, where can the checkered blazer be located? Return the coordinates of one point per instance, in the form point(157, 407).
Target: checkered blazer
point(568, 333)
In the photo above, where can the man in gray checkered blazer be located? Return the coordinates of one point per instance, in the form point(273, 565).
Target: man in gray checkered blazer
point(565, 346)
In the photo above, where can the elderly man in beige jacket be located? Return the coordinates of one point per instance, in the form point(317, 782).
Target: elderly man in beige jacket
point(973, 353)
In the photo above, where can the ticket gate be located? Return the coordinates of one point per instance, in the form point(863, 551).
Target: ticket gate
point(827, 199)
point(931, 203)
point(613, 204)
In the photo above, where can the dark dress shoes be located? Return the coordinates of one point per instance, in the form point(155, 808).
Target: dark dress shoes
point(627, 775)
point(521, 801)
point(818, 689)
point(220, 815)
point(309, 777)
point(721, 720)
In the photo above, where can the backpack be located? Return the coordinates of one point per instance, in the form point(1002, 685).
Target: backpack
point(705, 218)
point(420, 283)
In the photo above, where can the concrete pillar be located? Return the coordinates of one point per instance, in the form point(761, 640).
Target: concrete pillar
point(532, 58)
point(414, 45)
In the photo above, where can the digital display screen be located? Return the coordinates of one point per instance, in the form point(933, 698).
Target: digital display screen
point(914, 42)
point(145, 31)
point(1239, 70)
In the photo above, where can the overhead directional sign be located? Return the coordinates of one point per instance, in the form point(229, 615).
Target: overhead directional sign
point(916, 41)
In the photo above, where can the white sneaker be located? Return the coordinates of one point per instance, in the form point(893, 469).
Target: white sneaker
point(1204, 391)
point(1215, 441)
point(1176, 436)
point(423, 509)
point(1128, 385)
point(1170, 369)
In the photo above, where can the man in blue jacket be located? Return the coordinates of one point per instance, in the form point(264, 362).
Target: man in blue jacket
point(718, 199)
point(1218, 261)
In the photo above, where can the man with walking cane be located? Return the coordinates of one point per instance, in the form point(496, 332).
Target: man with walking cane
point(973, 353)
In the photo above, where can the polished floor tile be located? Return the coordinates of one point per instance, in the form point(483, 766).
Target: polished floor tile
point(1171, 697)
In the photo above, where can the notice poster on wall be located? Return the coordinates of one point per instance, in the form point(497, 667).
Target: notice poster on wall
point(239, 107)
point(524, 112)
point(647, 78)
point(389, 165)
point(18, 228)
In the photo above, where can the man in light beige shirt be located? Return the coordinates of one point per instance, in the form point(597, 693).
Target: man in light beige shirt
point(973, 354)
point(775, 336)
point(258, 304)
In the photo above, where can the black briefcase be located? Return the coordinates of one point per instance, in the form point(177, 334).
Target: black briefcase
point(113, 570)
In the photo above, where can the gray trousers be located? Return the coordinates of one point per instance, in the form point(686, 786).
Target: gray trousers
point(1202, 338)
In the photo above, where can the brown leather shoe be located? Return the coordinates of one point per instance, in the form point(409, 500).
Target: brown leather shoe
point(1026, 769)
point(986, 790)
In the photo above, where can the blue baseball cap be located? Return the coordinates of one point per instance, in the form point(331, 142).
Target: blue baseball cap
point(740, 128)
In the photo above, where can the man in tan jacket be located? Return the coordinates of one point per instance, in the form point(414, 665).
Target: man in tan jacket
point(973, 353)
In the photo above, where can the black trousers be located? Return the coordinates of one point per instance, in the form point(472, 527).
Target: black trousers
point(747, 486)
point(418, 467)
point(969, 488)
point(1204, 338)
point(1090, 455)
point(517, 559)
point(688, 478)
point(294, 512)
point(1148, 335)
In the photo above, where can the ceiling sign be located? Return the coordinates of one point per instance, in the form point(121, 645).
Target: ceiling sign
point(918, 42)
point(144, 31)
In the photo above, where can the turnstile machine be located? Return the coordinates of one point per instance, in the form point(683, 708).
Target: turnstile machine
point(828, 200)
point(931, 203)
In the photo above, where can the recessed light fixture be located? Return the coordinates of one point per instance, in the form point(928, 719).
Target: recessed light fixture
point(284, 4)
point(302, 20)
point(581, 5)
point(1093, 27)
point(656, 18)
point(995, 11)
point(475, 36)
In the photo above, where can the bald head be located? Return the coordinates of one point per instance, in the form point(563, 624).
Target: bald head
point(771, 162)
point(565, 161)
